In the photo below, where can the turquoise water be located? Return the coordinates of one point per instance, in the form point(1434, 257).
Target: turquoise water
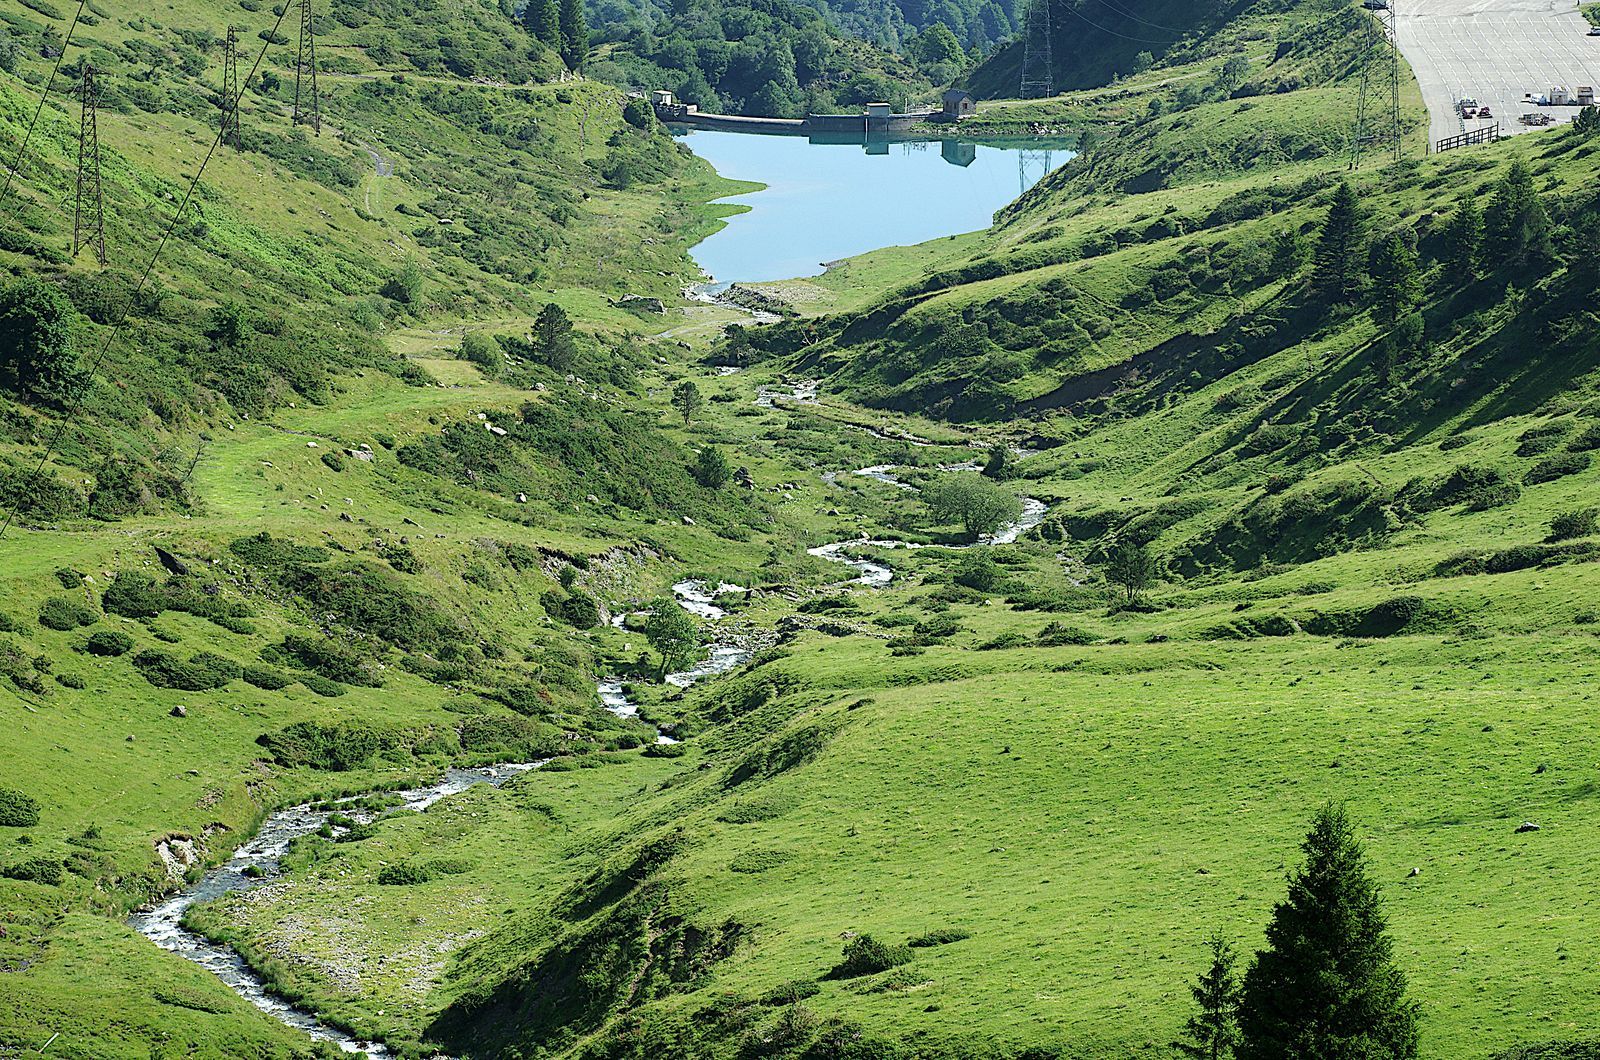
point(829, 201)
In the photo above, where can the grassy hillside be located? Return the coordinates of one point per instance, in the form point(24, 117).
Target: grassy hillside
point(345, 503)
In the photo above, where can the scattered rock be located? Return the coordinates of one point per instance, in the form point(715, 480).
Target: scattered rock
point(180, 711)
point(311, 445)
point(346, 517)
point(639, 303)
point(522, 498)
point(1413, 874)
point(688, 521)
point(1525, 826)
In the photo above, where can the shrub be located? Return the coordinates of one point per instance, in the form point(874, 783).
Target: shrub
point(1537, 441)
point(1586, 439)
point(1568, 525)
point(790, 992)
point(62, 613)
point(580, 611)
point(1004, 641)
point(203, 671)
point(322, 686)
point(35, 870)
point(979, 571)
point(1060, 635)
point(865, 955)
point(18, 809)
point(941, 937)
point(133, 596)
point(335, 748)
point(108, 642)
point(71, 681)
point(1555, 467)
point(326, 657)
point(403, 875)
point(333, 461)
point(263, 550)
point(264, 677)
point(1493, 495)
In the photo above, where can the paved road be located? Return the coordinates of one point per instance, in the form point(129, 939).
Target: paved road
point(1496, 51)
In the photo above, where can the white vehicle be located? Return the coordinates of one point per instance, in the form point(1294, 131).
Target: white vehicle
point(1594, 31)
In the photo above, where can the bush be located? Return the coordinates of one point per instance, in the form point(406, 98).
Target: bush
point(71, 681)
point(1555, 467)
point(61, 613)
point(333, 461)
point(322, 686)
point(35, 870)
point(1568, 525)
point(108, 642)
point(865, 955)
point(203, 671)
point(979, 571)
point(403, 875)
point(18, 809)
point(335, 748)
point(942, 937)
point(264, 677)
point(332, 660)
point(1060, 635)
point(134, 596)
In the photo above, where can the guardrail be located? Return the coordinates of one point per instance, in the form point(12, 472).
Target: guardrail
point(1477, 136)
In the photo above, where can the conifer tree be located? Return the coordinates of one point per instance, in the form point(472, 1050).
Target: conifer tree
point(543, 19)
point(1337, 275)
point(1211, 1032)
point(687, 400)
point(1516, 226)
point(1326, 987)
point(552, 337)
point(574, 34)
point(1463, 239)
point(1398, 282)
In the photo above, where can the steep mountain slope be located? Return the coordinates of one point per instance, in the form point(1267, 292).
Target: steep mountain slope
point(1094, 41)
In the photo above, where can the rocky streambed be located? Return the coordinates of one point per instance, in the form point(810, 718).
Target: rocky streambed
point(258, 861)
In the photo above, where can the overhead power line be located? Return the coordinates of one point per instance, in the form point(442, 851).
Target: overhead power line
point(76, 398)
point(43, 97)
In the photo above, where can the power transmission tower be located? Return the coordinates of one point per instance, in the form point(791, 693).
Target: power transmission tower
point(305, 73)
point(1032, 167)
point(89, 209)
point(1038, 65)
point(1382, 131)
point(230, 90)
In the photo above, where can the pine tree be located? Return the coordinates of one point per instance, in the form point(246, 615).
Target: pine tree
point(1210, 1034)
point(1326, 987)
point(1516, 226)
point(1398, 282)
point(1463, 239)
point(687, 400)
point(552, 337)
point(543, 19)
point(574, 34)
point(1337, 274)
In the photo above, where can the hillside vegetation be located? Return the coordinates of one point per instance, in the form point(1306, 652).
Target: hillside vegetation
point(384, 470)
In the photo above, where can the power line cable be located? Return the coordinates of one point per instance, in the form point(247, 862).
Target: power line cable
point(1111, 32)
point(1117, 9)
point(43, 98)
point(144, 278)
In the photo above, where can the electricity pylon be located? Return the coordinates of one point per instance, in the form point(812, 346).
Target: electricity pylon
point(1038, 64)
point(305, 74)
point(89, 209)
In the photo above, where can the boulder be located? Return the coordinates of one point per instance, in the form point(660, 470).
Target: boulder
point(1527, 826)
point(179, 711)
